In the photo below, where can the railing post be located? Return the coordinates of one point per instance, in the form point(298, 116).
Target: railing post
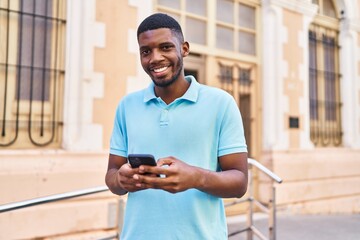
point(250, 211)
point(272, 218)
point(251, 229)
point(121, 210)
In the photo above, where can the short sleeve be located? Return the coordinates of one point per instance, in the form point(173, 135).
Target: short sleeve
point(118, 143)
point(232, 138)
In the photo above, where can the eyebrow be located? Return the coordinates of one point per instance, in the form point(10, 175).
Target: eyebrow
point(166, 43)
point(160, 44)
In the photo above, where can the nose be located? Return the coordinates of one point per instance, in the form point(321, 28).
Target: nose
point(156, 56)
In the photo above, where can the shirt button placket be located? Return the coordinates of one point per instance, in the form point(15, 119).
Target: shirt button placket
point(164, 118)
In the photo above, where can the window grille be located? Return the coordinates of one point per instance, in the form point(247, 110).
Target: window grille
point(245, 108)
point(226, 78)
point(240, 88)
point(244, 91)
point(32, 34)
point(244, 76)
point(324, 87)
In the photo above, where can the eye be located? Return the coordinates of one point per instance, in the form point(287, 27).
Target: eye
point(145, 52)
point(167, 47)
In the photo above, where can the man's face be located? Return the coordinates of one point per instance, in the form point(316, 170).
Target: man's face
point(161, 55)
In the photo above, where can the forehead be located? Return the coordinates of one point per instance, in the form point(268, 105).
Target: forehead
point(156, 36)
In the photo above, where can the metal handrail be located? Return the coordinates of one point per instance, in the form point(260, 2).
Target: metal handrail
point(265, 170)
point(51, 198)
point(270, 209)
point(64, 196)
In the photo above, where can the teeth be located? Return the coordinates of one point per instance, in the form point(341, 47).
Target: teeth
point(157, 70)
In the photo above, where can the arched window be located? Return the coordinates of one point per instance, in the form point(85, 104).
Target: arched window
point(324, 76)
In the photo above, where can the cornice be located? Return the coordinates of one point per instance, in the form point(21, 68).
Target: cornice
point(305, 7)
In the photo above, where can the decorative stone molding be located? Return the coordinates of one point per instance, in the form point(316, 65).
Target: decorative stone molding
point(305, 7)
point(82, 83)
point(272, 51)
point(349, 64)
point(141, 80)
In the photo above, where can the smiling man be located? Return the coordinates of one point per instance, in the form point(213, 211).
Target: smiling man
point(195, 132)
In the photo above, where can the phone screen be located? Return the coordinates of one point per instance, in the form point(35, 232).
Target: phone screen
point(136, 160)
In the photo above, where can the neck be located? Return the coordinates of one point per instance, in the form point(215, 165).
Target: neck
point(170, 93)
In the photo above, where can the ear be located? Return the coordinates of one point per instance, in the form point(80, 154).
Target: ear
point(185, 47)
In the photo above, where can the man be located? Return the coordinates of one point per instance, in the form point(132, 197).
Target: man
point(195, 132)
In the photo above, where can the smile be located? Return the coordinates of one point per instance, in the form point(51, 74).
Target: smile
point(158, 70)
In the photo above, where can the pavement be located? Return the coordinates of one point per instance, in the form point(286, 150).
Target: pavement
point(302, 227)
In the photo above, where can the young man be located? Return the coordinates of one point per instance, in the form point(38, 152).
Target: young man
point(194, 131)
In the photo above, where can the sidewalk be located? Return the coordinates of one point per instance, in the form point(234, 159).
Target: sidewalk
point(303, 227)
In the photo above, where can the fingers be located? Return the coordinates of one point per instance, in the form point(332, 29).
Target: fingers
point(160, 169)
point(154, 177)
point(166, 161)
point(166, 184)
point(162, 176)
point(126, 178)
point(148, 181)
point(129, 184)
point(155, 171)
point(132, 179)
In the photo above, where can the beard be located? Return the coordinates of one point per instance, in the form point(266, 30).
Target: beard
point(172, 79)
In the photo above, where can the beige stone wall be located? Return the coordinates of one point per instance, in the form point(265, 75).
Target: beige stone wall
point(293, 87)
point(321, 181)
point(114, 61)
point(31, 174)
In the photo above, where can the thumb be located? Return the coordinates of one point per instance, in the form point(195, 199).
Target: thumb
point(165, 161)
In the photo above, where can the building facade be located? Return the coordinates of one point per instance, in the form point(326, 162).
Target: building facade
point(293, 67)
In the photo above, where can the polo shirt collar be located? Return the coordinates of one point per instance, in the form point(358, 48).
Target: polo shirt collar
point(191, 94)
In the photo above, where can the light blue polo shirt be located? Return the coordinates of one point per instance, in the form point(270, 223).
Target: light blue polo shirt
point(197, 128)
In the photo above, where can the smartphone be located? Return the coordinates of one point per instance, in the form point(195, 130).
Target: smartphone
point(136, 160)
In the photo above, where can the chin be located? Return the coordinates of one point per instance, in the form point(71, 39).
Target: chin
point(162, 83)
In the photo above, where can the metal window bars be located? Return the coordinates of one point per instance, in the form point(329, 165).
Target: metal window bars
point(31, 74)
point(250, 229)
point(324, 87)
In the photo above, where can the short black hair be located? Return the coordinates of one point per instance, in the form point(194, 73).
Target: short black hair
point(160, 20)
